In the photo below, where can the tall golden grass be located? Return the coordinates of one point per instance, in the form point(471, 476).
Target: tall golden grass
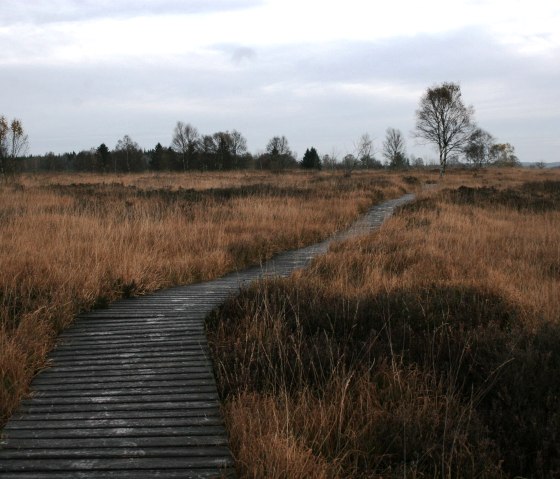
point(76, 241)
point(430, 348)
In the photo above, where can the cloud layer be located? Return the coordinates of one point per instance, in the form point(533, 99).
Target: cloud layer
point(89, 72)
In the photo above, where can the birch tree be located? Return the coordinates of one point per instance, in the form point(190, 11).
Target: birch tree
point(444, 120)
point(185, 142)
point(13, 144)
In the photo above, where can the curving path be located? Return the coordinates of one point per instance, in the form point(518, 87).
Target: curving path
point(131, 393)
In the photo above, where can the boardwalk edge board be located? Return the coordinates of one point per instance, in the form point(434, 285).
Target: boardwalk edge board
point(130, 391)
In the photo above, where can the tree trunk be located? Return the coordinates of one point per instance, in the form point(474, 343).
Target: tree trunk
point(442, 163)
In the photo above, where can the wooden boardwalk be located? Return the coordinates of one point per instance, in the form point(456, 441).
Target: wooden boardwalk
point(130, 392)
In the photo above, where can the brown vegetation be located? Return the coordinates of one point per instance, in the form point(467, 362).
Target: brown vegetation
point(72, 242)
point(430, 348)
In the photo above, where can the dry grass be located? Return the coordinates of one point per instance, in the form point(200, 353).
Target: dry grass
point(72, 242)
point(430, 348)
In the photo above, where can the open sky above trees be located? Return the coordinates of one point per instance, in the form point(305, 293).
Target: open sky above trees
point(82, 73)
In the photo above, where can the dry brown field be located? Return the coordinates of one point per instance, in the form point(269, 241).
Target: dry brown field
point(72, 242)
point(430, 348)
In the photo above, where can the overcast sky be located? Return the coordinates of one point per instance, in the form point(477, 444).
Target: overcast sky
point(321, 72)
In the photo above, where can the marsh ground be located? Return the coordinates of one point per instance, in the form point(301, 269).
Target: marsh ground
point(430, 348)
point(73, 242)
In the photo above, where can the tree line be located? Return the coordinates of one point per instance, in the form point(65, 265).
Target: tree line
point(442, 119)
point(188, 151)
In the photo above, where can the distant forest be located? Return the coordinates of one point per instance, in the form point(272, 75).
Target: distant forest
point(189, 151)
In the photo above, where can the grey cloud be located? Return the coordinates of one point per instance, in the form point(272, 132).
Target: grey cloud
point(39, 12)
point(420, 59)
point(290, 90)
point(243, 53)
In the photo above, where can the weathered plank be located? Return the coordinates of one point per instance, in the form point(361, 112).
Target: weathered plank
point(127, 366)
point(64, 444)
point(129, 351)
point(207, 409)
point(113, 463)
point(124, 384)
point(119, 452)
point(93, 399)
point(167, 376)
point(197, 430)
point(130, 392)
point(207, 473)
point(113, 423)
point(31, 407)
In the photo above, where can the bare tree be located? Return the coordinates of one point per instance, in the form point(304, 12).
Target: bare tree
point(478, 147)
point(129, 150)
point(13, 143)
point(238, 143)
point(223, 155)
point(185, 141)
point(208, 150)
point(278, 154)
point(416, 162)
point(278, 145)
point(238, 146)
point(503, 154)
point(4, 130)
point(394, 149)
point(444, 120)
point(364, 150)
point(349, 162)
point(330, 160)
point(18, 139)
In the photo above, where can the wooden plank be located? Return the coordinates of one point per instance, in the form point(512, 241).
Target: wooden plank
point(116, 391)
point(168, 371)
point(137, 360)
point(184, 396)
point(154, 383)
point(99, 379)
point(59, 354)
point(92, 415)
point(105, 353)
point(128, 331)
point(115, 318)
point(114, 464)
point(163, 317)
point(117, 452)
point(198, 473)
point(126, 366)
point(123, 356)
point(109, 350)
point(87, 381)
point(201, 430)
point(109, 330)
point(198, 420)
point(140, 342)
point(34, 408)
point(116, 344)
point(116, 442)
point(110, 361)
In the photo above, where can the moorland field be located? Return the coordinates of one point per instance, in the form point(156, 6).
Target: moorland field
point(72, 242)
point(430, 348)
